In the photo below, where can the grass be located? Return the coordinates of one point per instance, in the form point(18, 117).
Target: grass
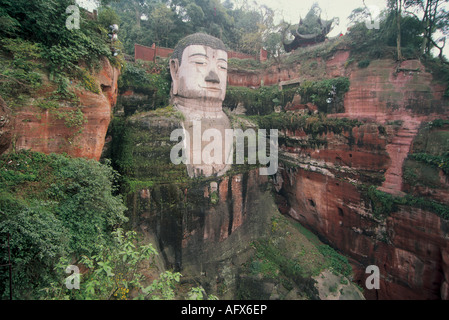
point(294, 252)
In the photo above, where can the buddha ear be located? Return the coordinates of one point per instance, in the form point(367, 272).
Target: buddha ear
point(174, 68)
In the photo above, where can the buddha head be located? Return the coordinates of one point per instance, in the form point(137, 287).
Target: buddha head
point(198, 68)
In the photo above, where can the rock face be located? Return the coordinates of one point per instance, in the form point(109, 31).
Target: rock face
point(275, 75)
point(322, 183)
point(410, 246)
point(207, 227)
point(324, 188)
point(387, 92)
point(5, 126)
point(67, 130)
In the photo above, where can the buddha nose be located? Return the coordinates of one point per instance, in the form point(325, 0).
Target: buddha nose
point(212, 77)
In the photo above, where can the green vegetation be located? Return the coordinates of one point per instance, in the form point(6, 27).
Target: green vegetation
point(149, 79)
point(244, 64)
point(53, 206)
point(438, 123)
point(323, 50)
point(402, 35)
point(419, 173)
point(115, 272)
point(376, 44)
point(257, 101)
point(364, 63)
point(317, 92)
point(441, 162)
point(20, 74)
point(60, 210)
point(243, 27)
point(430, 155)
point(314, 125)
point(335, 262)
point(270, 261)
point(37, 46)
point(292, 255)
point(262, 101)
point(384, 204)
point(142, 156)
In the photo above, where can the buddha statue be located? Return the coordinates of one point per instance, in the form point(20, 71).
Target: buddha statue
point(198, 67)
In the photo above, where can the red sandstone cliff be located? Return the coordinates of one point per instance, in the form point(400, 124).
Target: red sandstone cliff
point(411, 245)
point(5, 126)
point(45, 131)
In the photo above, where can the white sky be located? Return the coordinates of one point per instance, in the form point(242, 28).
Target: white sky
point(292, 10)
point(87, 4)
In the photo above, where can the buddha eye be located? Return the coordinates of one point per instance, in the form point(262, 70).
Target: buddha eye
point(200, 62)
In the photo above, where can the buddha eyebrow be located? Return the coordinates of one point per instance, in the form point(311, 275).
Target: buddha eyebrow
point(222, 59)
point(198, 54)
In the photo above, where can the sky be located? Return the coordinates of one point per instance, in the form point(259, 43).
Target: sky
point(292, 10)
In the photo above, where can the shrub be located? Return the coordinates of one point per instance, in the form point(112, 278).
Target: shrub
point(149, 79)
point(89, 81)
point(314, 125)
point(115, 271)
point(337, 263)
point(258, 101)
point(364, 63)
point(318, 92)
point(38, 238)
point(39, 42)
point(441, 162)
point(53, 205)
point(384, 204)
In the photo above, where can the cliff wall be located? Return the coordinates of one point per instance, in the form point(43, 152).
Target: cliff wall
point(358, 189)
point(76, 129)
point(225, 233)
point(326, 187)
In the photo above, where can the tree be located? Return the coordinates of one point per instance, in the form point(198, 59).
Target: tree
point(396, 7)
point(53, 206)
point(273, 45)
point(115, 271)
point(433, 17)
point(251, 27)
point(162, 23)
point(138, 8)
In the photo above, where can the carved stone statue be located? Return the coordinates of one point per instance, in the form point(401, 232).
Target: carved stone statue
point(198, 68)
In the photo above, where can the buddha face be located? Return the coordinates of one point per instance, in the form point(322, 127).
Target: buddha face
point(202, 73)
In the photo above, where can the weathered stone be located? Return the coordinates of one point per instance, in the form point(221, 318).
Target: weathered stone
point(199, 73)
point(5, 126)
point(45, 131)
